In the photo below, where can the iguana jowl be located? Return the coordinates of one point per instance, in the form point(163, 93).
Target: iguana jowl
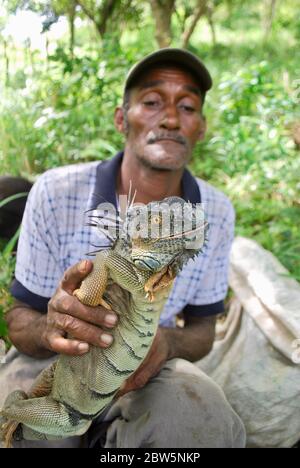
point(134, 278)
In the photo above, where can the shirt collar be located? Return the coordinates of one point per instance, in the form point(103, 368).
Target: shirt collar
point(106, 181)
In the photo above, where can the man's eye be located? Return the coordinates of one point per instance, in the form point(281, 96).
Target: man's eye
point(151, 103)
point(189, 109)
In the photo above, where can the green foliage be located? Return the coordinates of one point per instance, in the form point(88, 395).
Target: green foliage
point(60, 114)
point(252, 157)
point(7, 262)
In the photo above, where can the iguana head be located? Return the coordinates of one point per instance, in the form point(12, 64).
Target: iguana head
point(163, 234)
point(158, 239)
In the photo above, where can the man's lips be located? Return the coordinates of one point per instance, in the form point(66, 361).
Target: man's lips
point(152, 141)
point(170, 139)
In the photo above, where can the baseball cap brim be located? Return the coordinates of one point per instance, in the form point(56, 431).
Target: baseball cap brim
point(180, 57)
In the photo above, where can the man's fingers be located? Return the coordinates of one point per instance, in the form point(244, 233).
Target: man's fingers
point(81, 330)
point(127, 386)
point(142, 375)
point(134, 382)
point(141, 379)
point(67, 316)
point(75, 274)
point(137, 380)
point(62, 345)
point(67, 304)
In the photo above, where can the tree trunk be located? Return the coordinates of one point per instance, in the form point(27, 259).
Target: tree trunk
point(47, 51)
point(71, 20)
point(31, 57)
point(270, 7)
point(162, 13)
point(28, 54)
point(199, 11)
point(6, 58)
point(32, 64)
point(106, 13)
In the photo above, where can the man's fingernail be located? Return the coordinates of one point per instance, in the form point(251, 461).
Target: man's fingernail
point(83, 347)
point(110, 319)
point(83, 266)
point(106, 339)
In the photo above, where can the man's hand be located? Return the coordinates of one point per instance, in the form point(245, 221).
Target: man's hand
point(67, 316)
point(157, 355)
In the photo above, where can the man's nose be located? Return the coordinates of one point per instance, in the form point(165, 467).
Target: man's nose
point(170, 118)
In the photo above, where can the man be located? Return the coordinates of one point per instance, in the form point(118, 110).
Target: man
point(168, 402)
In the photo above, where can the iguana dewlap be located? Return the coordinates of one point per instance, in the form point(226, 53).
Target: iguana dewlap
point(134, 278)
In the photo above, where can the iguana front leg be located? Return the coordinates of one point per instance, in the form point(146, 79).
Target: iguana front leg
point(92, 288)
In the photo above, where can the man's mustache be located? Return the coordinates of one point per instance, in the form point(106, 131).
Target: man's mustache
point(167, 136)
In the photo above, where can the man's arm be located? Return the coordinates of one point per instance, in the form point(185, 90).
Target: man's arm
point(41, 335)
point(194, 340)
point(26, 327)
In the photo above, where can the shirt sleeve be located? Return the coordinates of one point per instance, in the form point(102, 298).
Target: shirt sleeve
point(37, 268)
point(23, 294)
point(211, 291)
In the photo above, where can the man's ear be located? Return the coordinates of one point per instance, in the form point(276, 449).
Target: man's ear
point(119, 119)
point(203, 128)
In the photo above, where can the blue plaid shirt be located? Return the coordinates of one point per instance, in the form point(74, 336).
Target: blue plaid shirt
point(54, 236)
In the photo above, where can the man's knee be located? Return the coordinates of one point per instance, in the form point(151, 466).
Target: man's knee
point(181, 407)
point(192, 410)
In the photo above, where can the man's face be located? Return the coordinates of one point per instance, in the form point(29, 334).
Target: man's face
point(164, 119)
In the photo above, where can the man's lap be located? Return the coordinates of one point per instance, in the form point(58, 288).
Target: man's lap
point(181, 407)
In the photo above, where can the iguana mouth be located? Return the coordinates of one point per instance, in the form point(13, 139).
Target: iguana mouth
point(160, 280)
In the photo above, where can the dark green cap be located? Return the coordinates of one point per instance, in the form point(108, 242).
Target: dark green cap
point(180, 57)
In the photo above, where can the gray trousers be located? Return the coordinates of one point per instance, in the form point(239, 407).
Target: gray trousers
point(179, 408)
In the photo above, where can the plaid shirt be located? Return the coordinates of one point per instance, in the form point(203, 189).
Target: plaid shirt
point(54, 236)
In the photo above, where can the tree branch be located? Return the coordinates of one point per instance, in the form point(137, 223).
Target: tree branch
point(89, 14)
point(99, 17)
point(105, 13)
point(199, 11)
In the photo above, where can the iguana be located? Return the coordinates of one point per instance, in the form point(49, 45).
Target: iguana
point(134, 278)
